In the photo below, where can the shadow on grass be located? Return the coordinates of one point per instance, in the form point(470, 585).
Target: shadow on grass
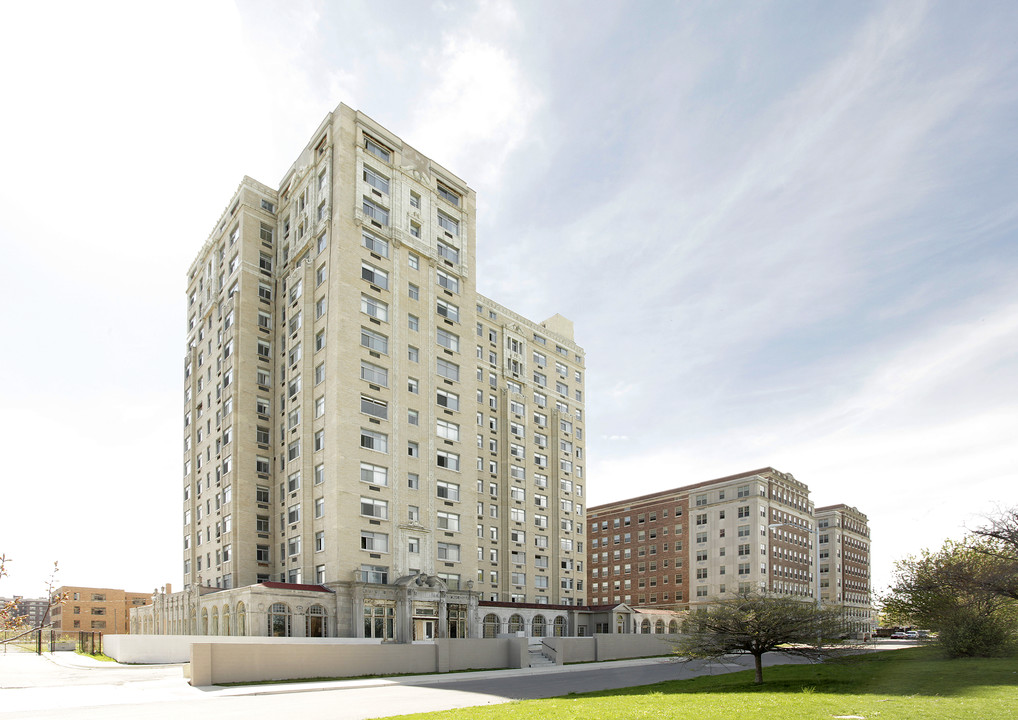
point(907, 672)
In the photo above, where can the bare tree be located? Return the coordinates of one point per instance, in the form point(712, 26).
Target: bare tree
point(754, 624)
point(8, 617)
point(998, 540)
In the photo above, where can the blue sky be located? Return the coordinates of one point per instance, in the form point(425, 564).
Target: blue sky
point(786, 234)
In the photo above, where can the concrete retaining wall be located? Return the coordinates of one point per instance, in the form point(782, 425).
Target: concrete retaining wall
point(224, 662)
point(619, 647)
point(606, 647)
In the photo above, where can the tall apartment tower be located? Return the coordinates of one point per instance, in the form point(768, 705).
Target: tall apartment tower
point(356, 415)
point(844, 551)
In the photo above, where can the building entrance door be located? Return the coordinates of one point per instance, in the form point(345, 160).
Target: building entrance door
point(424, 629)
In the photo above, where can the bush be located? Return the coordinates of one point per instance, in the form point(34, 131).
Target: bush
point(973, 635)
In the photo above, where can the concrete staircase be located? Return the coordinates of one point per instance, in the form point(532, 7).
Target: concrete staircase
point(538, 658)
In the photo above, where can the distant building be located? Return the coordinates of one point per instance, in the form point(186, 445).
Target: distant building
point(30, 612)
point(845, 563)
point(100, 609)
point(680, 548)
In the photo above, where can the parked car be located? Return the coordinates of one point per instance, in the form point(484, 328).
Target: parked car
point(900, 635)
point(912, 635)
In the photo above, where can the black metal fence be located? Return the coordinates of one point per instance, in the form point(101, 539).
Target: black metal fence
point(37, 640)
point(90, 643)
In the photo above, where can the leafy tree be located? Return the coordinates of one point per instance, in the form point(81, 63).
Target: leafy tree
point(957, 591)
point(754, 624)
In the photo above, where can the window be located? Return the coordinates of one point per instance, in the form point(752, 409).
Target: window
point(447, 310)
point(372, 406)
point(448, 340)
point(374, 542)
point(413, 323)
point(448, 195)
point(414, 292)
point(374, 308)
point(377, 149)
point(447, 399)
point(376, 180)
point(319, 440)
point(293, 546)
point(414, 481)
point(448, 252)
point(319, 406)
point(447, 369)
point(448, 521)
point(447, 223)
point(320, 275)
point(375, 508)
point(374, 374)
point(374, 474)
point(413, 449)
point(319, 340)
point(448, 460)
point(375, 276)
point(376, 212)
point(448, 430)
point(448, 281)
point(412, 353)
point(374, 341)
point(375, 244)
point(319, 507)
point(372, 440)
point(447, 490)
point(374, 574)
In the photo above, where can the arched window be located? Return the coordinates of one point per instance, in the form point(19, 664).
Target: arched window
point(560, 626)
point(317, 625)
point(673, 627)
point(279, 620)
point(659, 627)
point(204, 621)
point(241, 619)
point(215, 621)
point(491, 625)
point(645, 627)
point(515, 623)
point(537, 626)
point(226, 619)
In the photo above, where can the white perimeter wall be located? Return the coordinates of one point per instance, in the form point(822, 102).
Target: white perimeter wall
point(154, 649)
point(224, 662)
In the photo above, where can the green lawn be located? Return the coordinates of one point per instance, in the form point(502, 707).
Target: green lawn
point(908, 683)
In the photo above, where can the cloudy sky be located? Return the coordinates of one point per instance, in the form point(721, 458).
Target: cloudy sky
point(786, 233)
